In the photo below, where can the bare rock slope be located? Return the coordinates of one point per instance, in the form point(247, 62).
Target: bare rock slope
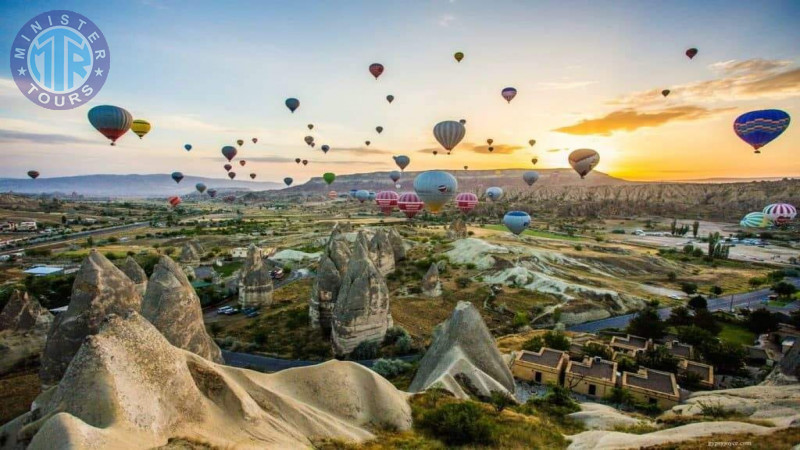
point(24, 313)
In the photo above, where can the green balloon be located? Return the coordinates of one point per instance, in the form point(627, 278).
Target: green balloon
point(329, 177)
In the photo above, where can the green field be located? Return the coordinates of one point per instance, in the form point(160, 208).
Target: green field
point(538, 233)
point(737, 334)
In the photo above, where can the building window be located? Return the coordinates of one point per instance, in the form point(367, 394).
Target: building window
point(592, 389)
point(538, 377)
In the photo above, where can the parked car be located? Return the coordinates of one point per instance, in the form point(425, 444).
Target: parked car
point(224, 309)
point(276, 274)
point(252, 314)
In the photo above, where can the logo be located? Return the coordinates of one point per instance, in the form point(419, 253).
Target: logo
point(60, 60)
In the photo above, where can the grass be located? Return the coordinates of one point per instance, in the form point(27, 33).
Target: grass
point(776, 440)
point(539, 233)
point(17, 392)
point(227, 269)
point(736, 334)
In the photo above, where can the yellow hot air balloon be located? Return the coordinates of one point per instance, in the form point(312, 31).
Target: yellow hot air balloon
point(140, 127)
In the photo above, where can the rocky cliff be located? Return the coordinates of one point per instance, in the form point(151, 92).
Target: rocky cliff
point(255, 282)
point(135, 272)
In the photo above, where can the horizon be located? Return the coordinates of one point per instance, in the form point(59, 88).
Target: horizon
point(588, 76)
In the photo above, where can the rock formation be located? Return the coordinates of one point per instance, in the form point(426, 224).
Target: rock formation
point(361, 312)
point(431, 286)
point(398, 246)
point(464, 358)
point(342, 227)
point(128, 388)
point(457, 229)
point(330, 270)
point(382, 252)
point(100, 289)
point(191, 253)
point(339, 252)
point(24, 313)
point(135, 272)
point(172, 305)
point(255, 282)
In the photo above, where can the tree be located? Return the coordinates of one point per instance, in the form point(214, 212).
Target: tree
point(726, 357)
point(755, 282)
point(556, 340)
point(673, 227)
point(783, 289)
point(689, 288)
point(533, 344)
point(500, 400)
point(761, 321)
point(647, 323)
point(680, 316)
point(705, 320)
point(693, 335)
point(697, 302)
point(593, 349)
point(620, 397)
point(658, 358)
point(695, 228)
point(716, 290)
point(63, 220)
point(521, 319)
point(672, 276)
point(90, 241)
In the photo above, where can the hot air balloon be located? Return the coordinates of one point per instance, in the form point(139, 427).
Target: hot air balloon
point(325, 148)
point(530, 177)
point(297, 160)
point(362, 195)
point(390, 98)
point(353, 193)
point(33, 174)
point(231, 175)
point(517, 221)
point(691, 52)
point(187, 147)
point(332, 195)
point(379, 129)
point(174, 201)
point(532, 142)
point(308, 139)
point(200, 187)
point(212, 193)
point(463, 121)
point(466, 201)
point(449, 133)
point(367, 143)
point(435, 188)
point(755, 220)
point(240, 142)
point(111, 121)
point(410, 204)
point(398, 185)
point(435, 153)
point(458, 56)
point(780, 213)
point(402, 161)
point(253, 176)
point(490, 141)
point(255, 140)
point(288, 181)
point(759, 128)
point(177, 176)
point(329, 177)
point(386, 201)
point(665, 92)
point(466, 167)
point(305, 162)
point(227, 167)
point(229, 152)
point(583, 160)
point(509, 93)
point(376, 70)
point(491, 149)
point(140, 127)
point(372, 195)
point(394, 175)
point(494, 193)
point(534, 160)
point(242, 162)
point(310, 126)
point(292, 104)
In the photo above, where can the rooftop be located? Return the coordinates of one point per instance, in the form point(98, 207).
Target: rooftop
point(653, 380)
point(545, 357)
point(630, 341)
point(43, 270)
point(679, 349)
point(705, 371)
point(594, 368)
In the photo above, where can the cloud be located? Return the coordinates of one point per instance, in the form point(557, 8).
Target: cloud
point(499, 149)
point(187, 122)
point(360, 150)
point(446, 19)
point(564, 85)
point(41, 138)
point(554, 150)
point(284, 159)
point(631, 119)
point(750, 66)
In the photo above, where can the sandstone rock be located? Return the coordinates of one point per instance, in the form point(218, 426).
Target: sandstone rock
point(24, 313)
point(382, 252)
point(790, 363)
point(398, 246)
point(172, 305)
point(135, 272)
point(191, 253)
point(324, 294)
point(255, 282)
point(596, 416)
point(341, 228)
point(361, 312)
point(128, 388)
point(431, 286)
point(464, 358)
point(100, 289)
point(339, 253)
point(457, 229)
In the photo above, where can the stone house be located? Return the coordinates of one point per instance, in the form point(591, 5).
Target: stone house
point(594, 377)
point(544, 367)
point(652, 387)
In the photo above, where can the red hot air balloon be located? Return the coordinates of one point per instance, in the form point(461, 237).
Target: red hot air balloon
point(376, 70)
point(174, 201)
point(691, 52)
point(386, 201)
point(466, 201)
point(252, 176)
point(410, 204)
point(231, 175)
point(242, 162)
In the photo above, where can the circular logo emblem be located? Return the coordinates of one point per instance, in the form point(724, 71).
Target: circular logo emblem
point(60, 59)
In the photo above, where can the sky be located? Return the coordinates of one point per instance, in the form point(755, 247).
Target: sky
point(588, 74)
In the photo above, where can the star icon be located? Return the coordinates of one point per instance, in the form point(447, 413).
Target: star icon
point(98, 72)
point(22, 71)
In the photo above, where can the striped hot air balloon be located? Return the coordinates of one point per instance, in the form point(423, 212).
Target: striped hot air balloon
point(759, 128)
point(755, 220)
point(386, 201)
point(449, 133)
point(509, 93)
point(466, 201)
point(410, 204)
point(780, 213)
point(111, 121)
point(140, 127)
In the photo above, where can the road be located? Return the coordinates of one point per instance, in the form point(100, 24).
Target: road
point(76, 236)
point(715, 304)
point(268, 364)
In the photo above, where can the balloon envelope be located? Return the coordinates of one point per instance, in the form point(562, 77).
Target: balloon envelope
point(390, 98)
point(177, 176)
point(200, 187)
point(227, 167)
point(33, 174)
point(509, 93)
point(332, 195)
point(325, 148)
point(242, 162)
point(305, 162)
point(174, 201)
point(435, 188)
point(410, 204)
point(532, 142)
point(231, 175)
point(395, 175)
point(755, 220)
point(229, 152)
point(494, 193)
point(329, 177)
point(583, 160)
point(240, 142)
point(534, 160)
point(691, 52)
point(402, 161)
point(530, 177)
point(466, 201)
point(292, 104)
point(458, 56)
point(386, 201)
point(780, 213)
point(517, 221)
point(311, 126)
point(759, 128)
point(252, 176)
point(376, 70)
point(188, 147)
point(362, 195)
point(297, 160)
point(288, 181)
point(665, 92)
point(449, 133)
point(212, 193)
point(111, 121)
point(140, 127)
point(379, 129)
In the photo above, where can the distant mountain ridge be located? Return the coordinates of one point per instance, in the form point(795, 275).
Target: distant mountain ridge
point(108, 185)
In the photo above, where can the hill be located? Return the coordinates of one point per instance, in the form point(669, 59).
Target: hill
point(100, 185)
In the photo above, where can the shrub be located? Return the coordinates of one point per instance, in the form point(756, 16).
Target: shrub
point(521, 319)
point(595, 349)
point(393, 334)
point(620, 396)
point(463, 282)
point(389, 368)
point(556, 340)
point(500, 400)
point(403, 345)
point(697, 302)
point(672, 276)
point(533, 344)
point(365, 350)
point(458, 424)
point(689, 288)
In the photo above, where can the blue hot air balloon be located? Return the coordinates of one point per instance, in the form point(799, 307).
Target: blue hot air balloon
point(494, 193)
point(394, 175)
point(177, 176)
point(353, 193)
point(517, 221)
point(292, 104)
point(200, 187)
point(188, 147)
point(372, 196)
point(435, 188)
point(759, 128)
point(288, 181)
point(402, 161)
point(362, 195)
point(111, 121)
